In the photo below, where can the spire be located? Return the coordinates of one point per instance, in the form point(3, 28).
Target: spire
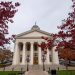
point(35, 22)
point(35, 27)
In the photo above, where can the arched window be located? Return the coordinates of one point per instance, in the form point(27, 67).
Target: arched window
point(28, 46)
point(20, 46)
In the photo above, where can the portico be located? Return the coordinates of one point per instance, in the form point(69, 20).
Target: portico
point(27, 44)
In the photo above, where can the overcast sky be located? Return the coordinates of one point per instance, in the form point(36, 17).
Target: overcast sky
point(48, 14)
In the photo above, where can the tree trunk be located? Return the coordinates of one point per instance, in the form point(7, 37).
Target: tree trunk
point(69, 62)
point(66, 65)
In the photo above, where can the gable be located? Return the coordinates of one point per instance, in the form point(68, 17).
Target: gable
point(34, 34)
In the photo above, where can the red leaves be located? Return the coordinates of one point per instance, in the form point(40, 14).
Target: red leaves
point(2, 37)
point(17, 4)
point(62, 34)
point(49, 44)
point(7, 12)
point(67, 31)
point(69, 21)
point(45, 38)
point(13, 36)
point(43, 47)
point(66, 45)
point(1, 43)
point(67, 54)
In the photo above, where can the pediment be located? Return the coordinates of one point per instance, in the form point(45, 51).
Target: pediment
point(33, 33)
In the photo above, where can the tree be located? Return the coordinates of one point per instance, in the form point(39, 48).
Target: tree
point(2, 57)
point(66, 37)
point(67, 54)
point(66, 45)
point(5, 55)
point(7, 12)
point(67, 30)
point(49, 43)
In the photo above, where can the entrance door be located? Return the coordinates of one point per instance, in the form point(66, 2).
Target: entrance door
point(35, 54)
point(35, 60)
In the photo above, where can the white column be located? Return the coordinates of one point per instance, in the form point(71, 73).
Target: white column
point(31, 54)
point(55, 57)
point(23, 54)
point(16, 56)
point(39, 55)
point(47, 57)
point(50, 56)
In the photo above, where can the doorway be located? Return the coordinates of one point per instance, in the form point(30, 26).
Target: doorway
point(35, 59)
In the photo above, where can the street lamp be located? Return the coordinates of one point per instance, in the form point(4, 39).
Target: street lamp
point(28, 59)
point(43, 60)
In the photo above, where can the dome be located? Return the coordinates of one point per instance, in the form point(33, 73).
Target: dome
point(35, 27)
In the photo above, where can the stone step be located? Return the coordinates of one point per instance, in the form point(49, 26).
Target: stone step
point(36, 72)
point(35, 67)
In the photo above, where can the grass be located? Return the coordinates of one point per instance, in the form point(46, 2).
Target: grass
point(66, 72)
point(61, 72)
point(9, 72)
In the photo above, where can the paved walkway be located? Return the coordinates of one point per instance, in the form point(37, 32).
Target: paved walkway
point(36, 72)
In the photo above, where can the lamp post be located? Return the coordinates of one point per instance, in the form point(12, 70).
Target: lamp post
point(43, 60)
point(28, 59)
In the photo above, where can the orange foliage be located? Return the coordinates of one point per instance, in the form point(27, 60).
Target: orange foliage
point(67, 54)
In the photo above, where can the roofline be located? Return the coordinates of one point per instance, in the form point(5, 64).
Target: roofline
point(29, 37)
point(44, 32)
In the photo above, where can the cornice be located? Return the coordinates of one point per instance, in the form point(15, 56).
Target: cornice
point(30, 31)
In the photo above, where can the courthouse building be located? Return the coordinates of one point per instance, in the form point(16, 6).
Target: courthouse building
point(26, 44)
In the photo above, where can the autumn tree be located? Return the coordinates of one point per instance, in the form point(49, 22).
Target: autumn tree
point(7, 12)
point(49, 44)
point(44, 46)
point(66, 38)
point(67, 30)
point(66, 35)
point(5, 55)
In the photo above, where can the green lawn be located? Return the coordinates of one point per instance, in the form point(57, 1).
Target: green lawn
point(65, 72)
point(9, 72)
point(61, 72)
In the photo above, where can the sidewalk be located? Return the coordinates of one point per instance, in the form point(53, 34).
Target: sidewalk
point(36, 72)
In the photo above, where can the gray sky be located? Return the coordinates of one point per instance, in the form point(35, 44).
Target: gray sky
point(48, 14)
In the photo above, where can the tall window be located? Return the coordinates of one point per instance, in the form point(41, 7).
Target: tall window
point(28, 46)
point(35, 46)
point(20, 46)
